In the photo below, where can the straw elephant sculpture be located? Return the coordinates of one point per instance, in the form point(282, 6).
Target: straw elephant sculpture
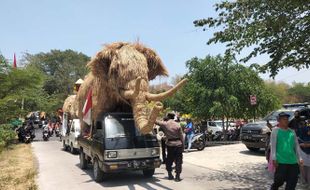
point(119, 78)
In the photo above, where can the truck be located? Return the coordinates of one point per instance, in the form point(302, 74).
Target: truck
point(255, 135)
point(69, 137)
point(114, 144)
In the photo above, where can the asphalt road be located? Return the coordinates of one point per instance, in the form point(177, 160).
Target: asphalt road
point(221, 167)
point(39, 135)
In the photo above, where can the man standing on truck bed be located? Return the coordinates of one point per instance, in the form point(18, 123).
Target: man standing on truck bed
point(285, 153)
point(175, 145)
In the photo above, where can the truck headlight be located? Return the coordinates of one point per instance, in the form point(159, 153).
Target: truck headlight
point(155, 152)
point(111, 154)
point(265, 130)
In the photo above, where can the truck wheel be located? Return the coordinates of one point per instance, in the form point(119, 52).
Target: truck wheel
point(83, 161)
point(148, 172)
point(253, 149)
point(98, 173)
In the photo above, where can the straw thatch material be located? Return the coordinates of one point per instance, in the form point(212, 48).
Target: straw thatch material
point(106, 56)
point(70, 106)
point(115, 69)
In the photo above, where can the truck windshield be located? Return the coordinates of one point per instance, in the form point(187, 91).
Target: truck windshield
point(120, 127)
point(274, 115)
point(121, 133)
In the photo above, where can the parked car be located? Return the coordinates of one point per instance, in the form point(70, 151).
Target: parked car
point(69, 140)
point(116, 145)
point(254, 135)
point(214, 127)
point(231, 125)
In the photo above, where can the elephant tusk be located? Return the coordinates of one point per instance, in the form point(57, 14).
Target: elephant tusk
point(148, 126)
point(130, 94)
point(170, 92)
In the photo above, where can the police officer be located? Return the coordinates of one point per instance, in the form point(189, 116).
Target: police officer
point(175, 145)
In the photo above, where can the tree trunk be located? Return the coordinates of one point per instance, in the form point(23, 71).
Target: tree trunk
point(223, 125)
point(226, 128)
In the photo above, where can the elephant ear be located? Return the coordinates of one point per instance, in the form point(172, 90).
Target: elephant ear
point(100, 64)
point(155, 65)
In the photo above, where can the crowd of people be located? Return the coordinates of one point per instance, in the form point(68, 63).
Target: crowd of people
point(53, 127)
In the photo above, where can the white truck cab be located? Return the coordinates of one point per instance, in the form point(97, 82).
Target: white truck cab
point(69, 139)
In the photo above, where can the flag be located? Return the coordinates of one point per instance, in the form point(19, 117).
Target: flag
point(87, 108)
point(14, 61)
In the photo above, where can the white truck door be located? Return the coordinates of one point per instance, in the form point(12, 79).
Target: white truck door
point(64, 124)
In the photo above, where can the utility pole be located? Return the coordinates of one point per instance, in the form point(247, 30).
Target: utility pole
point(23, 100)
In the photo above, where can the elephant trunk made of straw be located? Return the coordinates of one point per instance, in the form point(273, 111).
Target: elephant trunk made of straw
point(119, 80)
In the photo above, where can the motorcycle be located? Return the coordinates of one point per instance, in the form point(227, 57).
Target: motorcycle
point(21, 133)
point(44, 124)
point(27, 138)
point(45, 135)
point(232, 135)
point(50, 131)
point(198, 141)
point(57, 132)
point(217, 136)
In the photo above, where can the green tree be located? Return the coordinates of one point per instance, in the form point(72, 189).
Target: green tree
point(18, 86)
point(281, 90)
point(62, 68)
point(277, 28)
point(219, 88)
point(301, 91)
point(4, 66)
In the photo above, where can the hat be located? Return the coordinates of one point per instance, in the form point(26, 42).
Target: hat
point(283, 114)
point(170, 115)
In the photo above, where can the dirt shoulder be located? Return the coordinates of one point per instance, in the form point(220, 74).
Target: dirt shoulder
point(17, 168)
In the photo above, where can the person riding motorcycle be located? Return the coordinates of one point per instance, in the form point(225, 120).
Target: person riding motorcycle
point(29, 128)
point(21, 133)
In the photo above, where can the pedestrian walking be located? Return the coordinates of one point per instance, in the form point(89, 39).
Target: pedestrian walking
point(174, 145)
point(285, 153)
point(189, 131)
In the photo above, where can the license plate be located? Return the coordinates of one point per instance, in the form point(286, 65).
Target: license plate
point(247, 137)
point(256, 135)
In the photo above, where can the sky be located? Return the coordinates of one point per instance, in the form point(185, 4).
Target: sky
point(35, 26)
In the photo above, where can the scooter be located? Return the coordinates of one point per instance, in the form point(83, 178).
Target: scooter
point(232, 135)
point(27, 138)
point(57, 132)
point(45, 135)
point(50, 132)
point(218, 136)
point(198, 141)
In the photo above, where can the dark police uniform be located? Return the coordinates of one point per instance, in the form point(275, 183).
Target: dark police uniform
point(175, 146)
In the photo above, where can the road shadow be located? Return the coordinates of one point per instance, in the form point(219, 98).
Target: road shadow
point(251, 176)
point(129, 179)
point(190, 150)
point(253, 153)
